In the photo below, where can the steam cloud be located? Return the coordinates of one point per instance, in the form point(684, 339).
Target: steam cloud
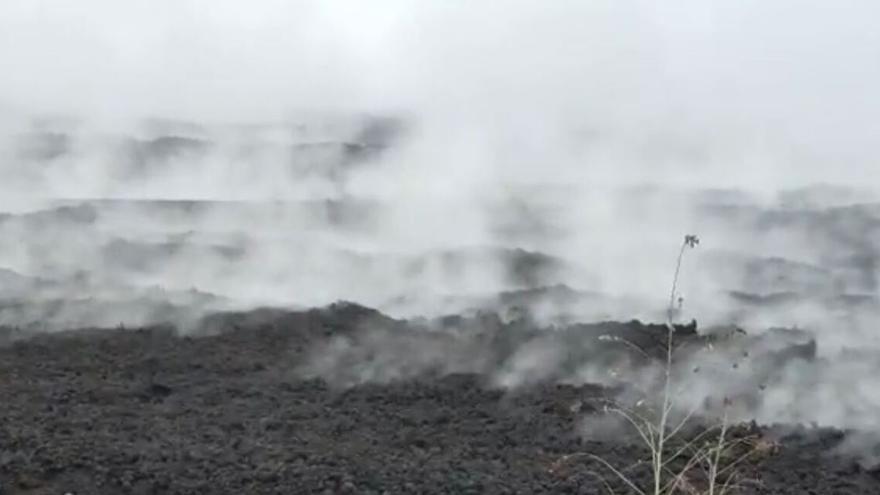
point(162, 159)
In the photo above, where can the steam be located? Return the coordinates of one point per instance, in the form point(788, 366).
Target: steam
point(164, 159)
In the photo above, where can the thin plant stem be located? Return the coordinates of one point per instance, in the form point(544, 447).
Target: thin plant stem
point(671, 306)
point(716, 461)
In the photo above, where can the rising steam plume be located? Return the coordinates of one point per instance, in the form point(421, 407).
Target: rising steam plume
point(166, 159)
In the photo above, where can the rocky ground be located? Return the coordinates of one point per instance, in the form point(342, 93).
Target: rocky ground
point(247, 405)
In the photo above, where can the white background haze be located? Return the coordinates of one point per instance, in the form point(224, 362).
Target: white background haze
point(562, 106)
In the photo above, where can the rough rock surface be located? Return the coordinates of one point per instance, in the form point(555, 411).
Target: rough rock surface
point(147, 411)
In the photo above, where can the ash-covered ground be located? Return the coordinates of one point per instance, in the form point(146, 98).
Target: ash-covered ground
point(344, 399)
point(325, 246)
point(506, 323)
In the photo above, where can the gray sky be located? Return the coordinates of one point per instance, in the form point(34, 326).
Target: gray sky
point(774, 81)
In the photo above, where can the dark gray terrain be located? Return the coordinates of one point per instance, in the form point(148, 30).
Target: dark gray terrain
point(132, 359)
point(246, 405)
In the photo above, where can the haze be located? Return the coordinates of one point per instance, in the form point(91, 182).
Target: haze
point(527, 126)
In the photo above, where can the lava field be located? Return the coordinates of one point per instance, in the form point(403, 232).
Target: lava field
point(330, 247)
point(273, 401)
point(155, 343)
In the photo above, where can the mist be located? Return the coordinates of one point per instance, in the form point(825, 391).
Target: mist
point(165, 159)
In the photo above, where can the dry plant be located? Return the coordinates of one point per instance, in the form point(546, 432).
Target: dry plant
point(715, 458)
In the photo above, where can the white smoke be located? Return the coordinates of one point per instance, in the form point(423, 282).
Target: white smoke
point(594, 133)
